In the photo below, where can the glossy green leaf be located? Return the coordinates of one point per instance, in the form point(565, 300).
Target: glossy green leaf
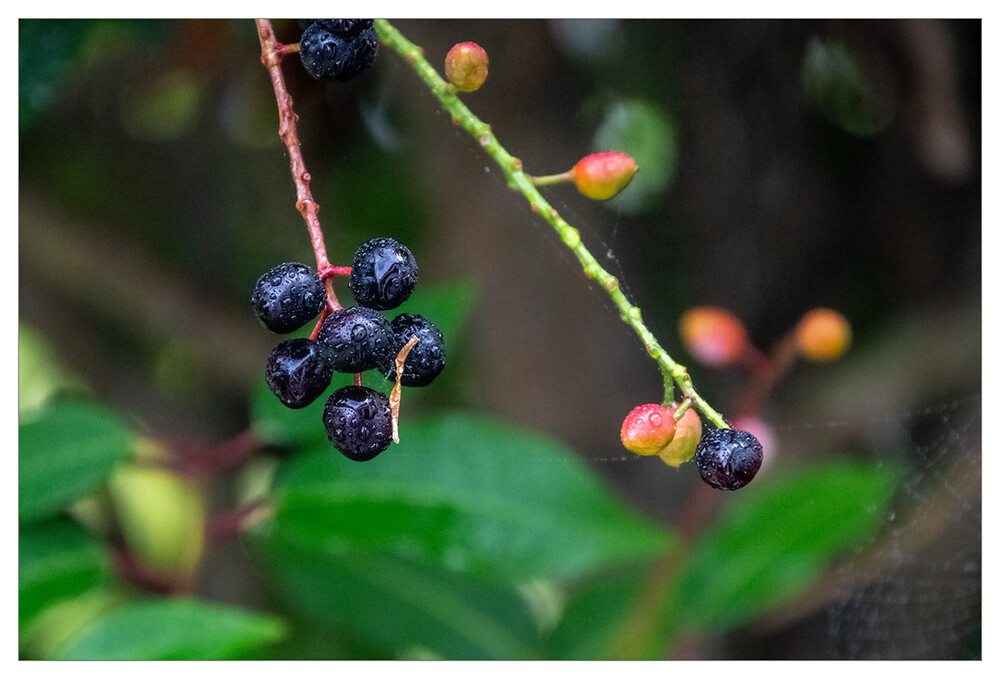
point(57, 560)
point(469, 494)
point(175, 629)
point(776, 538)
point(399, 607)
point(65, 452)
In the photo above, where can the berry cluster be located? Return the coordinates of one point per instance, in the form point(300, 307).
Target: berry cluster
point(651, 429)
point(353, 339)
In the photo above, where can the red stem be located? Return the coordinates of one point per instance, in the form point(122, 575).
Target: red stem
point(272, 53)
point(230, 523)
point(195, 461)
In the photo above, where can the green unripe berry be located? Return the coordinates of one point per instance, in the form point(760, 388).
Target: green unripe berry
point(688, 432)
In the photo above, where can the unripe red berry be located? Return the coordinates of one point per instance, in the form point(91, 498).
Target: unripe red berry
point(603, 175)
point(466, 66)
point(822, 335)
point(647, 429)
point(687, 434)
point(713, 336)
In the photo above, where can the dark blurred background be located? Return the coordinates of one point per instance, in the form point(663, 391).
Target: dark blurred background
point(783, 165)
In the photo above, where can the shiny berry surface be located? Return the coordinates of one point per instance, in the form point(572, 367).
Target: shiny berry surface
point(336, 55)
point(466, 66)
point(647, 429)
point(603, 175)
point(287, 297)
point(345, 26)
point(384, 274)
point(728, 459)
point(686, 437)
point(297, 373)
point(358, 422)
point(355, 339)
point(426, 358)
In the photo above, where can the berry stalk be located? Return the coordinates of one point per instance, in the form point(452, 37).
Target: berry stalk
point(673, 372)
point(271, 54)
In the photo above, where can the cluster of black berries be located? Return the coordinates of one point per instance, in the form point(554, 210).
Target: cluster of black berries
point(337, 49)
point(355, 339)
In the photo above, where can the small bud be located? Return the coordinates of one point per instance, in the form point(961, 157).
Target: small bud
point(466, 66)
point(686, 437)
point(603, 175)
point(647, 429)
point(713, 336)
point(822, 335)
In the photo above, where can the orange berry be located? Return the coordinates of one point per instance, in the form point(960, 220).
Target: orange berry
point(603, 175)
point(688, 432)
point(713, 336)
point(647, 429)
point(822, 335)
point(466, 66)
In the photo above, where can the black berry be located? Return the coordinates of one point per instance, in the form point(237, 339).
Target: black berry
point(728, 459)
point(287, 297)
point(384, 274)
point(426, 358)
point(297, 373)
point(337, 55)
point(358, 421)
point(355, 339)
point(345, 26)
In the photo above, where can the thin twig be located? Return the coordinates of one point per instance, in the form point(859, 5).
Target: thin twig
point(673, 372)
point(272, 53)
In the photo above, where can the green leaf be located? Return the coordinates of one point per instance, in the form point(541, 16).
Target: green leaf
point(174, 629)
point(834, 82)
point(774, 540)
point(47, 53)
point(399, 607)
point(645, 132)
point(469, 494)
point(39, 372)
point(64, 453)
point(594, 624)
point(57, 560)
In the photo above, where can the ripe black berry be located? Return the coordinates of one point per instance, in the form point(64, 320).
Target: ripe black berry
point(426, 358)
point(355, 339)
point(358, 421)
point(728, 459)
point(384, 274)
point(345, 26)
point(336, 55)
point(297, 373)
point(288, 296)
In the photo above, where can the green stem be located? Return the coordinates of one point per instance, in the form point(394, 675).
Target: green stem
point(673, 372)
point(548, 179)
